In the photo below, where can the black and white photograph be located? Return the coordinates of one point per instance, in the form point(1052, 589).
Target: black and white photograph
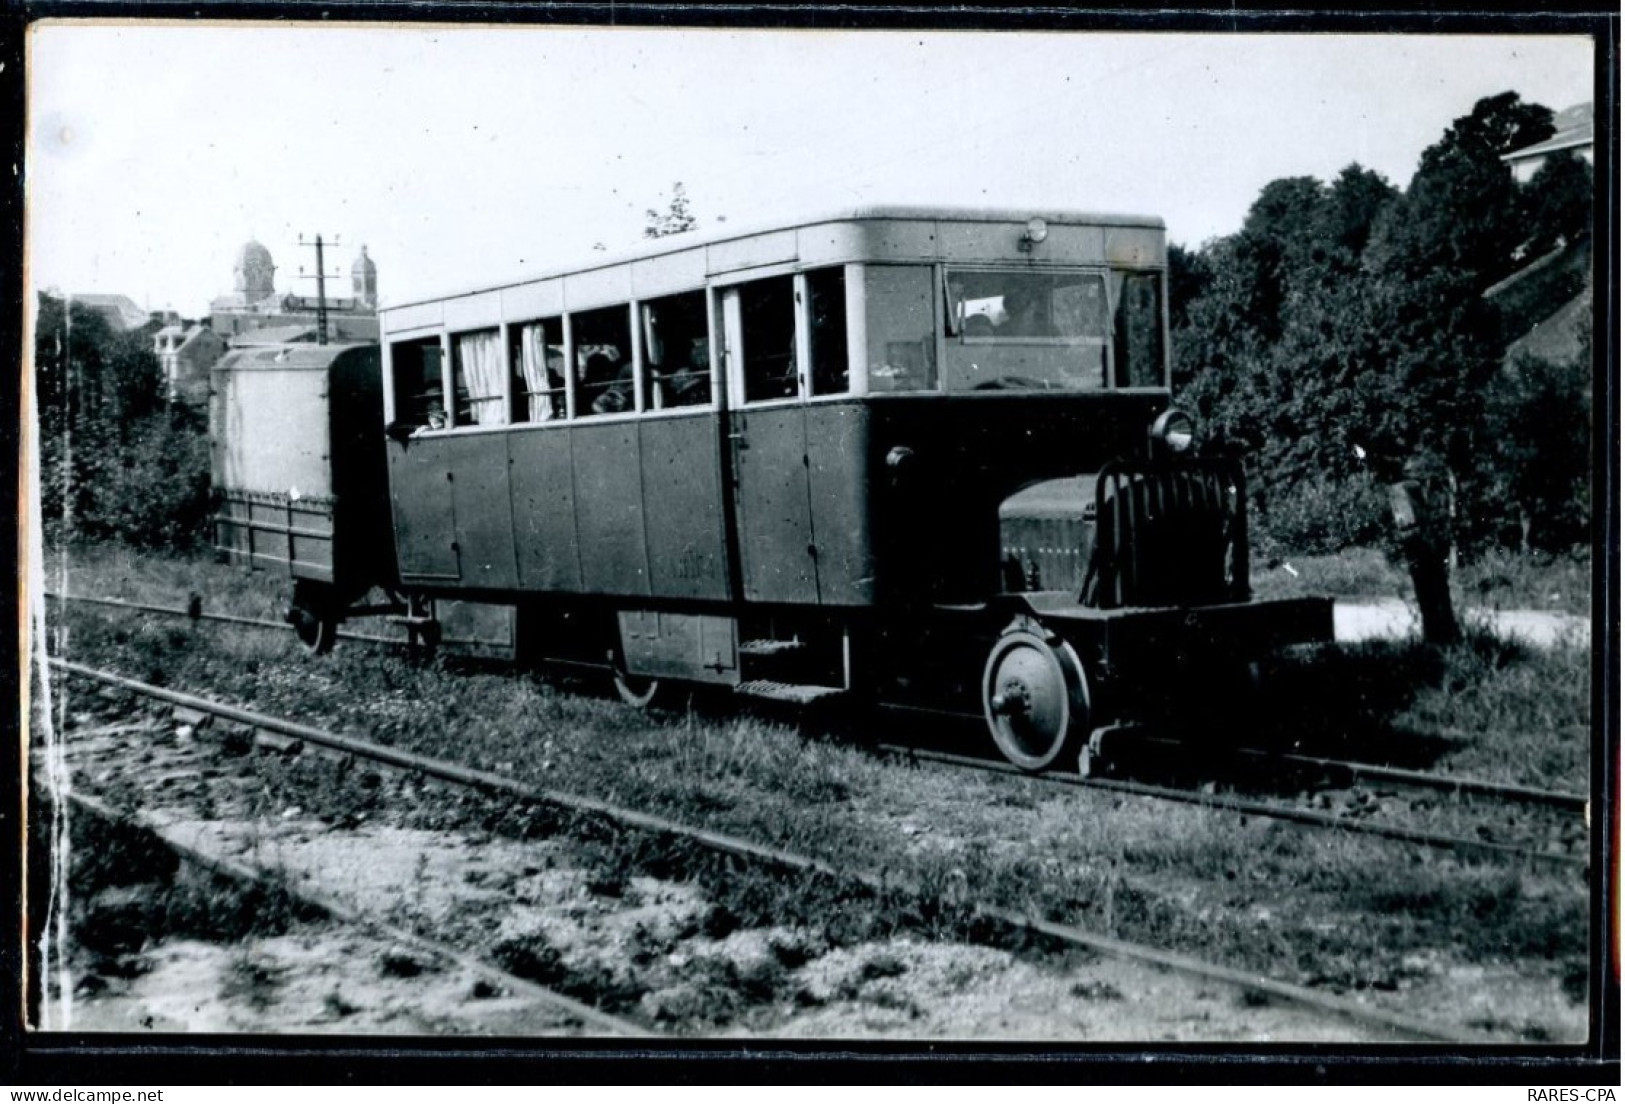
point(1001, 537)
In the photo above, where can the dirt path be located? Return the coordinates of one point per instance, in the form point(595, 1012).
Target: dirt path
point(1394, 619)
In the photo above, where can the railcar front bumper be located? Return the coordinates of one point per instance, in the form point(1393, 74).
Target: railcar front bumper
point(1128, 637)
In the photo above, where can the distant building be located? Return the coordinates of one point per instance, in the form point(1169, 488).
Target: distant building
point(255, 305)
point(301, 333)
point(1574, 130)
point(186, 352)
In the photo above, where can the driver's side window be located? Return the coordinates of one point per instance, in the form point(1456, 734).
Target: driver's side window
point(898, 305)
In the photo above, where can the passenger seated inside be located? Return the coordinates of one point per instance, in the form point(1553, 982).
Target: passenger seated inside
point(1026, 314)
point(690, 385)
point(612, 383)
point(979, 325)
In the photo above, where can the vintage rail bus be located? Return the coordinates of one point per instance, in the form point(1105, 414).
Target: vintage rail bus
point(922, 455)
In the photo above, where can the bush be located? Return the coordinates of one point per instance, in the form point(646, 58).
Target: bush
point(158, 496)
point(1540, 422)
point(1319, 516)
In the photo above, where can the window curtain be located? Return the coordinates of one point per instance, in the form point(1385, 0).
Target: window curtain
point(533, 364)
point(480, 355)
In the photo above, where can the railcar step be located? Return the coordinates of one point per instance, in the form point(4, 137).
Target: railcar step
point(799, 693)
point(770, 647)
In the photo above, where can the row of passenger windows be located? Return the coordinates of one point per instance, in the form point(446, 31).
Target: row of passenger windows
point(673, 338)
point(1003, 328)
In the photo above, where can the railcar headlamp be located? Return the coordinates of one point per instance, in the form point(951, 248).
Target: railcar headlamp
point(1174, 431)
point(1037, 230)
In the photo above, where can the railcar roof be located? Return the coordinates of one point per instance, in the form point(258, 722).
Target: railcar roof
point(679, 243)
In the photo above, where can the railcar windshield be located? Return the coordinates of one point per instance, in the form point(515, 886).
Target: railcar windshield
point(1058, 331)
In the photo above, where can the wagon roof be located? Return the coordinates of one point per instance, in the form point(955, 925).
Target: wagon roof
point(290, 357)
point(678, 243)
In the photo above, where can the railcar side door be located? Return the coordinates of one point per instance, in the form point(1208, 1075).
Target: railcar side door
point(767, 437)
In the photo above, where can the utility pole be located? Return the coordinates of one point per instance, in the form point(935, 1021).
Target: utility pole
point(321, 285)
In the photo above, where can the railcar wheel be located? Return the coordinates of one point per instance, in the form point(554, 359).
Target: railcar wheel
point(635, 691)
point(316, 630)
point(1035, 697)
point(314, 614)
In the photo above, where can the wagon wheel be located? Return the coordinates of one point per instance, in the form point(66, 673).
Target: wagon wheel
point(1035, 697)
point(422, 639)
point(314, 618)
point(635, 690)
point(316, 631)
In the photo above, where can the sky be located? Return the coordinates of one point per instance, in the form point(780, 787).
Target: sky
point(464, 156)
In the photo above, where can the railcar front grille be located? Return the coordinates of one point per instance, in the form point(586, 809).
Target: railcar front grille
point(1172, 535)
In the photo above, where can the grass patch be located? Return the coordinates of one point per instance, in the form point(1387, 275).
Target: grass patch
point(1488, 706)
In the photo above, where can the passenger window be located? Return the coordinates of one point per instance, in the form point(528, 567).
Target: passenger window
point(767, 314)
point(419, 400)
point(1137, 332)
point(826, 319)
point(898, 308)
point(476, 379)
point(538, 362)
point(603, 351)
point(676, 352)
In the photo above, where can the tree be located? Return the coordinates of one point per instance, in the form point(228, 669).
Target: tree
point(1276, 345)
point(1349, 320)
point(676, 219)
point(1554, 208)
point(1459, 217)
point(115, 461)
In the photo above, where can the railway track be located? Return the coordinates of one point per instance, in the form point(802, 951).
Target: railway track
point(1321, 1003)
point(1331, 768)
point(1245, 806)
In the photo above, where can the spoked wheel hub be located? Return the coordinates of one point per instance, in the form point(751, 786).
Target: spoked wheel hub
point(1035, 697)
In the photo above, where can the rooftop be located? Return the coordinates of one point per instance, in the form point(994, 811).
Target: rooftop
point(678, 243)
point(1574, 129)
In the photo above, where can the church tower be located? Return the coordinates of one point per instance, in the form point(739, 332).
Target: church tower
point(364, 279)
point(255, 274)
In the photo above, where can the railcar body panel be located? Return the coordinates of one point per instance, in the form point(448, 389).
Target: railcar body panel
point(542, 483)
point(841, 468)
point(609, 509)
point(684, 522)
point(425, 519)
point(482, 511)
point(777, 545)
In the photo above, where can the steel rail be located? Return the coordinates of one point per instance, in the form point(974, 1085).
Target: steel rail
point(234, 619)
point(245, 874)
point(1239, 805)
point(1376, 772)
point(879, 883)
